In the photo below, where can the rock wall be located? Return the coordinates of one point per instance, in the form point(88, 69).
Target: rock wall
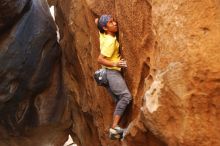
point(48, 92)
point(172, 51)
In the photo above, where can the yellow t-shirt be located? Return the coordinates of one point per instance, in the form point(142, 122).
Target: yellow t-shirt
point(109, 48)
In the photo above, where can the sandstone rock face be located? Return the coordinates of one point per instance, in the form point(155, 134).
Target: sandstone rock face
point(172, 50)
point(32, 100)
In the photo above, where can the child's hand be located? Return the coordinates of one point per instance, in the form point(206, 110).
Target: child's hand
point(122, 63)
point(96, 21)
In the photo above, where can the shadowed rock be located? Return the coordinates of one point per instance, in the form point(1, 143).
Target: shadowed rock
point(32, 102)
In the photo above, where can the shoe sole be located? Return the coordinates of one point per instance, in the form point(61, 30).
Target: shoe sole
point(114, 134)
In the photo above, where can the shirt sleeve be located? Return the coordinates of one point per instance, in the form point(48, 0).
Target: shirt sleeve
point(108, 48)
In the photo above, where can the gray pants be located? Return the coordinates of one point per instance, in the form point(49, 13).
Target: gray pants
point(119, 91)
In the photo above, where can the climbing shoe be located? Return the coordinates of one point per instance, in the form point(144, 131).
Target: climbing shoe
point(116, 133)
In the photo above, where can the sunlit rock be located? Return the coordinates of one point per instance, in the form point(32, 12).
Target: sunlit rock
point(172, 49)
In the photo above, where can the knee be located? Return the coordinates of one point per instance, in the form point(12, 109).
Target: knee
point(128, 97)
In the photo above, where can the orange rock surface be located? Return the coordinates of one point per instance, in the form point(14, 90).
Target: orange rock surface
point(172, 49)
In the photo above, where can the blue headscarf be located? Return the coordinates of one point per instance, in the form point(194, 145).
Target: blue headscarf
point(103, 20)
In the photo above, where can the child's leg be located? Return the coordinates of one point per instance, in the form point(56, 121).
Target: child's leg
point(115, 98)
point(116, 119)
point(119, 88)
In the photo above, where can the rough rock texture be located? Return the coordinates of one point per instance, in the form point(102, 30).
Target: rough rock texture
point(32, 100)
point(172, 50)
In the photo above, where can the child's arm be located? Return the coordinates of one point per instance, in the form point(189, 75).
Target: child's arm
point(103, 61)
